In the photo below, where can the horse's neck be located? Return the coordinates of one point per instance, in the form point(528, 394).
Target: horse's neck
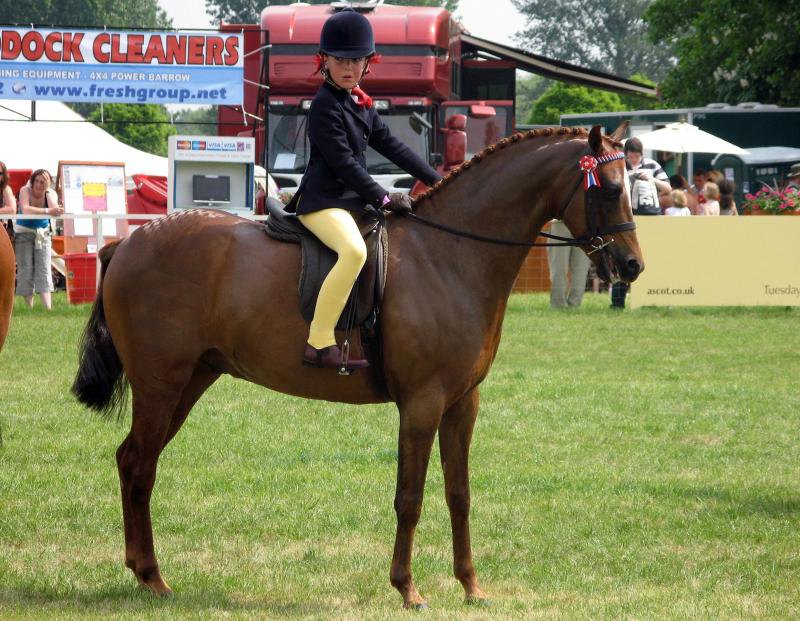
point(509, 195)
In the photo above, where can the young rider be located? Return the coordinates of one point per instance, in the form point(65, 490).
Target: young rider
point(336, 185)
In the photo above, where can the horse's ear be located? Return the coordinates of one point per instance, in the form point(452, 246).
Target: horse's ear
point(596, 139)
point(620, 132)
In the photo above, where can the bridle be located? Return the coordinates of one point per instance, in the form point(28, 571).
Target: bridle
point(596, 227)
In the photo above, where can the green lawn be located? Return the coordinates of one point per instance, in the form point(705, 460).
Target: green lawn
point(636, 464)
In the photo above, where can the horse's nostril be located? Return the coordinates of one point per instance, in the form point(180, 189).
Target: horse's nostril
point(633, 266)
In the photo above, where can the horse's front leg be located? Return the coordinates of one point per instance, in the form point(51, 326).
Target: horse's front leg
point(419, 420)
point(455, 435)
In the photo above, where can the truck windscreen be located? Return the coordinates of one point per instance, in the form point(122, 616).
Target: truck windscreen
point(289, 147)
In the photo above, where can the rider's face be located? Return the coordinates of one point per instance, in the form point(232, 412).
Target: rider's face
point(346, 72)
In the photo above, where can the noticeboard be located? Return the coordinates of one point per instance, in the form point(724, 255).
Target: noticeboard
point(93, 187)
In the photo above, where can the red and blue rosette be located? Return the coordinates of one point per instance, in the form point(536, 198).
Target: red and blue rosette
point(588, 165)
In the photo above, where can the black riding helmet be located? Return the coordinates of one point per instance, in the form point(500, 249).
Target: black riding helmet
point(347, 34)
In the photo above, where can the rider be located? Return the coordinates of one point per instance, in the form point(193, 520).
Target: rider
point(336, 184)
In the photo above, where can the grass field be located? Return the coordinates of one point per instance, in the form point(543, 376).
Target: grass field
point(637, 465)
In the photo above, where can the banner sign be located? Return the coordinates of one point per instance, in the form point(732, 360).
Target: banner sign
point(121, 67)
point(212, 149)
point(718, 261)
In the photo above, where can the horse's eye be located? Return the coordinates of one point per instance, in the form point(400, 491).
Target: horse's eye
point(612, 190)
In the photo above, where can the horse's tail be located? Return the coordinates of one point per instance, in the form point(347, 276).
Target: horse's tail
point(100, 383)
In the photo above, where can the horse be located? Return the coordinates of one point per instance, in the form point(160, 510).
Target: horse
point(7, 278)
point(218, 296)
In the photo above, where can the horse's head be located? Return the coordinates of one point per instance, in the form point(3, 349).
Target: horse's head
point(600, 210)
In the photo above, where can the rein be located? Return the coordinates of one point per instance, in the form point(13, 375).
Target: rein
point(594, 236)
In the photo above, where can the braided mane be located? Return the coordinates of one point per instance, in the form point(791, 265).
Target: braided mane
point(516, 137)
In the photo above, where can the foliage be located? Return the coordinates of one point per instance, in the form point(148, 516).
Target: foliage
point(143, 126)
point(564, 98)
point(597, 492)
point(637, 102)
point(606, 35)
point(97, 13)
point(773, 200)
point(729, 50)
point(529, 89)
point(249, 11)
point(199, 121)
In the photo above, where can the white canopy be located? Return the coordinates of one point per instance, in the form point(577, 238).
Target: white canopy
point(686, 138)
point(59, 134)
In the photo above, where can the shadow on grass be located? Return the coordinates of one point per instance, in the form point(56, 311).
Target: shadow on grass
point(126, 599)
point(774, 503)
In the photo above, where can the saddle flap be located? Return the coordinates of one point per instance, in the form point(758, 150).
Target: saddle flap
point(317, 260)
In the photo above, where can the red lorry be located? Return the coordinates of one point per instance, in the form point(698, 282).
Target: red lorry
point(426, 90)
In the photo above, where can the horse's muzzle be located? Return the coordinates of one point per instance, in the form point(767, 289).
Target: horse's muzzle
point(629, 268)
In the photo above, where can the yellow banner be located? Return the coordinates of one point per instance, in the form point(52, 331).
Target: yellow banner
point(718, 261)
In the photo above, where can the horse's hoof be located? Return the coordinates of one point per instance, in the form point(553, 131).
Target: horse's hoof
point(480, 602)
point(420, 607)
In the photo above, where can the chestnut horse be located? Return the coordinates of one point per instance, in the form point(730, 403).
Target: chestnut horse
point(201, 293)
point(7, 277)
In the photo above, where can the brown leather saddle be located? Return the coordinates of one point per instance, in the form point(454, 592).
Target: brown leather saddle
point(317, 259)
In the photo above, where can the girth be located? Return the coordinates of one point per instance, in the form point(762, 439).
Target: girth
point(317, 260)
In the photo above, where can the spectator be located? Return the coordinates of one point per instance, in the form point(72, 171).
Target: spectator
point(715, 176)
point(699, 179)
point(727, 206)
point(32, 241)
point(643, 173)
point(8, 204)
point(711, 204)
point(793, 178)
point(679, 207)
point(563, 259)
point(678, 182)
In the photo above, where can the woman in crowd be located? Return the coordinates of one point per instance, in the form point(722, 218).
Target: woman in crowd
point(32, 241)
point(711, 205)
point(679, 182)
point(8, 204)
point(727, 206)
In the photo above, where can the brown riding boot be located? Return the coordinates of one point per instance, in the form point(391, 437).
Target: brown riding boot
point(331, 357)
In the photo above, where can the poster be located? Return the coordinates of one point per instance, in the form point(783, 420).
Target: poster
point(94, 187)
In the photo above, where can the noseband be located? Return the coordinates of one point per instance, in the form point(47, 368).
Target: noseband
point(595, 218)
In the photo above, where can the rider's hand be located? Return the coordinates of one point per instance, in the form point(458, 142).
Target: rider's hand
point(399, 202)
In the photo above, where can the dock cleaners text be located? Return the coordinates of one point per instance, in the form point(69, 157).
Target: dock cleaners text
point(91, 65)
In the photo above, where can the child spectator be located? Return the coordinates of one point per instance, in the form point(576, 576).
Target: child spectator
point(711, 204)
point(679, 207)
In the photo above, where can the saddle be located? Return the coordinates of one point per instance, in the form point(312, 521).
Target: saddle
point(317, 260)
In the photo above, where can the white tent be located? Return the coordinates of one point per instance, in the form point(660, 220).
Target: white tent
point(58, 134)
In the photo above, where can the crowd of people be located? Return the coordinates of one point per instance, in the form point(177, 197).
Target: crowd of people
point(31, 236)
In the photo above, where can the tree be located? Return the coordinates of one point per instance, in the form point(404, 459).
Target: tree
point(201, 121)
point(730, 50)
point(141, 126)
point(249, 11)
point(529, 89)
point(571, 99)
point(606, 35)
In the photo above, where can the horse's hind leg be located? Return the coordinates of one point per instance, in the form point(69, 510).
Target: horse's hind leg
point(419, 420)
point(455, 435)
point(156, 419)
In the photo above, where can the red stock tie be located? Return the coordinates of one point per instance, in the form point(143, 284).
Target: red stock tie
point(362, 99)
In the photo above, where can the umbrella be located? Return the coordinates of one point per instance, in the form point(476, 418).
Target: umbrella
point(686, 138)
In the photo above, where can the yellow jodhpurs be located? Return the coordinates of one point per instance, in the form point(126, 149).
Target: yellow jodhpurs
point(338, 231)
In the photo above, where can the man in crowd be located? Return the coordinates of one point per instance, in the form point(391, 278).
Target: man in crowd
point(647, 181)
